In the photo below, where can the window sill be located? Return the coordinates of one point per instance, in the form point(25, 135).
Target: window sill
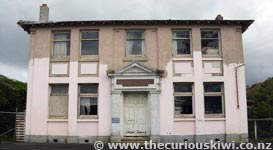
point(58, 75)
point(183, 116)
point(182, 58)
point(59, 59)
point(88, 120)
point(215, 116)
point(183, 119)
point(215, 119)
point(88, 117)
point(212, 58)
point(94, 58)
point(182, 55)
point(135, 58)
point(57, 120)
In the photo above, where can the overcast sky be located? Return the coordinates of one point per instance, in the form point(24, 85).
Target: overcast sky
point(257, 40)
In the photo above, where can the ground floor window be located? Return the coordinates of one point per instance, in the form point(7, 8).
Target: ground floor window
point(183, 99)
point(213, 96)
point(58, 101)
point(88, 100)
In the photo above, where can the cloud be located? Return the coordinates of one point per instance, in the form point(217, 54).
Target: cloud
point(14, 42)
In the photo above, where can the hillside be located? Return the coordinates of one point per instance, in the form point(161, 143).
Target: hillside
point(12, 94)
point(12, 97)
point(261, 97)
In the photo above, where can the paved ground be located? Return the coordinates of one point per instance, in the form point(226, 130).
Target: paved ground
point(34, 146)
point(51, 146)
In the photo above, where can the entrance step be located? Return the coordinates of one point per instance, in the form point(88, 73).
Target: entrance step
point(140, 140)
point(135, 139)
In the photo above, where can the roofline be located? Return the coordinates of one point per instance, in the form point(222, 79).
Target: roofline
point(27, 25)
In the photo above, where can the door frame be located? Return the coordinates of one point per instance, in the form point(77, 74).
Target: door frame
point(148, 124)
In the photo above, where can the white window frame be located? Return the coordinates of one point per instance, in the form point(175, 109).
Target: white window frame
point(97, 39)
point(184, 94)
point(220, 115)
point(87, 95)
point(219, 41)
point(53, 41)
point(175, 39)
point(143, 40)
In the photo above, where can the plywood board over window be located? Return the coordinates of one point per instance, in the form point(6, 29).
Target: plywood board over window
point(58, 101)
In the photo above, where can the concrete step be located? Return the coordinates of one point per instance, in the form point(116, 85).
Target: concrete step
point(138, 138)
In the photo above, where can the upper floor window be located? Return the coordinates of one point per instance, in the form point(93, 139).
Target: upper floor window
point(181, 42)
point(61, 44)
point(135, 43)
point(89, 43)
point(210, 42)
point(183, 103)
point(213, 96)
point(88, 100)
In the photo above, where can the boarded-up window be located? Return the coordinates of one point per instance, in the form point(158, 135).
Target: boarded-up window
point(88, 100)
point(61, 44)
point(89, 43)
point(181, 42)
point(183, 101)
point(210, 42)
point(135, 43)
point(213, 96)
point(58, 101)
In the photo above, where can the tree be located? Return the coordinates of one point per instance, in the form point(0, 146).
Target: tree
point(12, 99)
point(261, 94)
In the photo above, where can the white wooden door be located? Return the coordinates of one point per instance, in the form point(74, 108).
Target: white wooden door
point(135, 114)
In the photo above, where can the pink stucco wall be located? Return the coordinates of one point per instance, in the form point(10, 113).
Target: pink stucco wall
point(235, 121)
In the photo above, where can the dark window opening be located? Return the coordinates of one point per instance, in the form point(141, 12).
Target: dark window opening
point(213, 105)
point(89, 43)
point(183, 105)
point(210, 42)
point(181, 42)
point(213, 87)
point(88, 99)
point(183, 87)
point(88, 88)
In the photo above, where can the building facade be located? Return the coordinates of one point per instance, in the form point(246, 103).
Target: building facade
point(165, 80)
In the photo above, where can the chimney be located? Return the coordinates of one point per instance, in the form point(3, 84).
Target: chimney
point(219, 17)
point(44, 11)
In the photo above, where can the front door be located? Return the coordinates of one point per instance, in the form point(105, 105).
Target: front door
point(135, 114)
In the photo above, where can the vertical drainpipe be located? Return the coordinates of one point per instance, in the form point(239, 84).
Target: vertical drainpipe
point(237, 89)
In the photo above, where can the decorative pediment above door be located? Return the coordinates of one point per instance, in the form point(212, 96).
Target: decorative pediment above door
point(135, 76)
point(135, 68)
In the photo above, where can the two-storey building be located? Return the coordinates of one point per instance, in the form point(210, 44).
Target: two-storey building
point(109, 80)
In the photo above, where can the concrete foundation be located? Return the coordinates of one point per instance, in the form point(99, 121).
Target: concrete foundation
point(237, 138)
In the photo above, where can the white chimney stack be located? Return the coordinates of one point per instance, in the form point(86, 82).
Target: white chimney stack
point(44, 12)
